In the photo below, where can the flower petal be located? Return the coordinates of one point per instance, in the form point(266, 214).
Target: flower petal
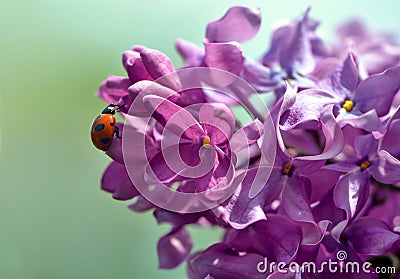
point(269, 241)
point(141, 205)
point(334, 139)
point(218, 122)
point(158, 169)
point(368, 121)
point(173, 248)
point(325, 68)
point(160, 67)
point(390, 141)
point(304, 140)
point(243, 210)
point(351, 192)
point(312, 236)
point(192, 54)
point(279, 38)
point(365, 146)
point(143, 88)
point(224, 56)
point(296, 199)
point(246, 135)
point(377, 91)
point(260, 77)
point(370, 236)
point(174, 218)
point(137, 147)
point(115, 180)
point(220, 176)
point(113, 89)
point(308, 106)
point(349, 73)
point(296, 56)
point(306, 167)
point(134, 66)
point(386, 169)
point(379, 54)
point(322, 181)
point(327, 210)
point(286, 102)
point(385, 206)
point(238, 24)
point(220, 261)
point(195, 161)
point(174, 118)
point(125, 191)
point(191, 96)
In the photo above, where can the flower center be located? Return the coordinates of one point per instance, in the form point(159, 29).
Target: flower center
point(348, 105)
point(365, 165)
point(206, 142)
point(287, 168)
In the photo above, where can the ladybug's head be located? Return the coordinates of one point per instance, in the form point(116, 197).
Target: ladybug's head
point(110, 109)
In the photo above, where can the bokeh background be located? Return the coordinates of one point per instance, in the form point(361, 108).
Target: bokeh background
point(55, 222)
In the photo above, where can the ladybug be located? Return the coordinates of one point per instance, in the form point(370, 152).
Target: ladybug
point(103, 128)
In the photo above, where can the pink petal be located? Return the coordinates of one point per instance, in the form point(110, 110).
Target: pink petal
point(351, 192)
point(219, 177)
point(134, 66)
point(296, 56)
point(143, 88)
point(246, 135)
point(218, 262)
point(160, 67)
point(334, 139)
point(174, 118)
point(296, 199)
point(386, 169)
point(368, 121)
point(116, 181)
point(377, 91)
point(349, 74)
point(371, 236)
point(141, 205)
point(224, 56)
point(218, 122)
point(191, 54)
point(113, 89)
point(173, 248)
point(238, 24)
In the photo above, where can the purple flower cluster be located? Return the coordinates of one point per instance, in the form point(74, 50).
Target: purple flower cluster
point(333, 182)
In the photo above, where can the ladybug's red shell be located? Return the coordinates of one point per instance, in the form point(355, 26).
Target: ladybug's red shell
point(102, 132)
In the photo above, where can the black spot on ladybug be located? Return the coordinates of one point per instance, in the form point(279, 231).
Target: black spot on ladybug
point(99, 127)
point(105, 140)
point(112, 124)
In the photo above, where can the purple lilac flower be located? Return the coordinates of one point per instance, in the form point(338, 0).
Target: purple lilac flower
point(204, 141)
point(291, 51)
point(333, 153)
point(355, 101)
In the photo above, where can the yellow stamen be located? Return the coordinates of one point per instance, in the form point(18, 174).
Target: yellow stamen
point(206, 142)
point(348, 105)
point(365, 165)
point(287, 168)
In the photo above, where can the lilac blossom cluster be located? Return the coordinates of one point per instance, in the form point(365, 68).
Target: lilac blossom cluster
point(335, 180)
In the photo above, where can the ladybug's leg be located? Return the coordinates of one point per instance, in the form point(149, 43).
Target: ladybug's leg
point(117, 132)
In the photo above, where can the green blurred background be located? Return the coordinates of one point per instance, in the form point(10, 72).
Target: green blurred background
point(54, 220)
